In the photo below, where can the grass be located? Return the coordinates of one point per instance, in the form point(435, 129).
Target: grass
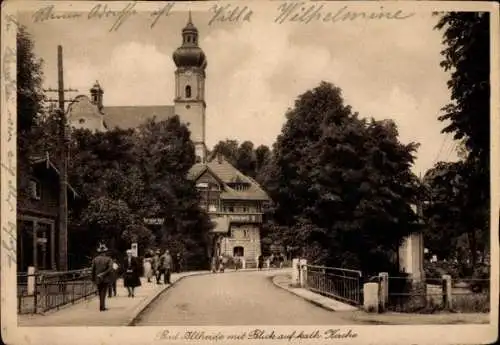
point(471, 303)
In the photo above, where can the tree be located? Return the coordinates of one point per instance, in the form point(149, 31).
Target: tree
point(451, 215)
point(125, 176)
point(262, 156)
point(245, 159)
point(342, 185)
point(30, 95)
point(467, 56)
point(166, 154)
point(229, 149)
point(30, 101)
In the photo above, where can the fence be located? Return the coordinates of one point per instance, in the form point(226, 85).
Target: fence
point(338, 283)
point(406, 294)
point(43, 291)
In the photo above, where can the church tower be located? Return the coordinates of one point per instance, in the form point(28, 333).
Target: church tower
point(189, 102)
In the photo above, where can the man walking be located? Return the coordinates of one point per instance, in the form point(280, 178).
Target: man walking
point(102, 267)
point(165, 267)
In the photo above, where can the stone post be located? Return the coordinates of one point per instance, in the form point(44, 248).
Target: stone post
point(303, 272)
point(31, 280)
point(384, 290)
point(447, 301)
point(371, 297)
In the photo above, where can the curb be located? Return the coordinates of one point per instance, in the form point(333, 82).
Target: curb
point(315, 302)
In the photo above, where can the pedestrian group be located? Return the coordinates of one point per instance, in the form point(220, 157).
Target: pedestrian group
point(106, 271)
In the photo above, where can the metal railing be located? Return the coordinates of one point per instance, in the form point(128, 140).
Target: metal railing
point(338, 283)
point(43, 291)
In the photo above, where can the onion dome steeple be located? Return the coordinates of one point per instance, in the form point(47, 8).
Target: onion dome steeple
point(189, 54)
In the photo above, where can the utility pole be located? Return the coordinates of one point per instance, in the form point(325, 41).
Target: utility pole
point(63, 163)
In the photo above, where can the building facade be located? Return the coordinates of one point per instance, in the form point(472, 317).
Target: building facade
point(235, 203)
point(38, 215)
point(233, 200)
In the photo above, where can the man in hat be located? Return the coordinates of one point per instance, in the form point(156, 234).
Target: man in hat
point(102, 267)
point(165, 267)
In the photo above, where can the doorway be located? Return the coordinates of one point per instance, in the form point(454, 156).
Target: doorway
point(238, 251)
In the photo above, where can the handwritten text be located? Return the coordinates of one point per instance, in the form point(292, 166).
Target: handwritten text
point(101, 11)
point(231, 14)
point(302, 13)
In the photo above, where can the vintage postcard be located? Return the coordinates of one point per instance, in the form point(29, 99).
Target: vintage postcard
point(247, 172)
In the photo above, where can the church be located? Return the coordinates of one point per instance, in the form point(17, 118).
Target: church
point(233, 200)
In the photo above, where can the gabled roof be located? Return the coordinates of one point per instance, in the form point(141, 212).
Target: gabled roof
point(228, 174)
point(127, 117)
point(196, 171)
point(39, 159)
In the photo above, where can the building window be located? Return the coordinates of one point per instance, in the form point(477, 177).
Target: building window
point(188, 91)
point(202, 185)
point(35, 190)
point(245, 233)
point(81, 121)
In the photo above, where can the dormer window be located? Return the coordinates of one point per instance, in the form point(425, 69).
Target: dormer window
point(35, 191)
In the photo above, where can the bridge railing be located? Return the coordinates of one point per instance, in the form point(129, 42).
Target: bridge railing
point(43, 291)
point(339, 283)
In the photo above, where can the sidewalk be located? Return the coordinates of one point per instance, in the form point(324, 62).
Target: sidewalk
point(122, 310)
point(358, 316)
point(283, 281)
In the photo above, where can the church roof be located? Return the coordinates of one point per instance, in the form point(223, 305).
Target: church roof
point(228, 174)
point(126, 117)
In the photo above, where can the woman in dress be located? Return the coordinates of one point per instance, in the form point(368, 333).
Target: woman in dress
point(148, 270)
point(131, 273)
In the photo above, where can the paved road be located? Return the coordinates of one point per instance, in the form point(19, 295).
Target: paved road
point(234, 298)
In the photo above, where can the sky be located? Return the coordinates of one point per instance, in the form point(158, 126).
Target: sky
point(256, 70)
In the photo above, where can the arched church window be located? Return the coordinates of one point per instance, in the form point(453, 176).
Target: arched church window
point(188, 91)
